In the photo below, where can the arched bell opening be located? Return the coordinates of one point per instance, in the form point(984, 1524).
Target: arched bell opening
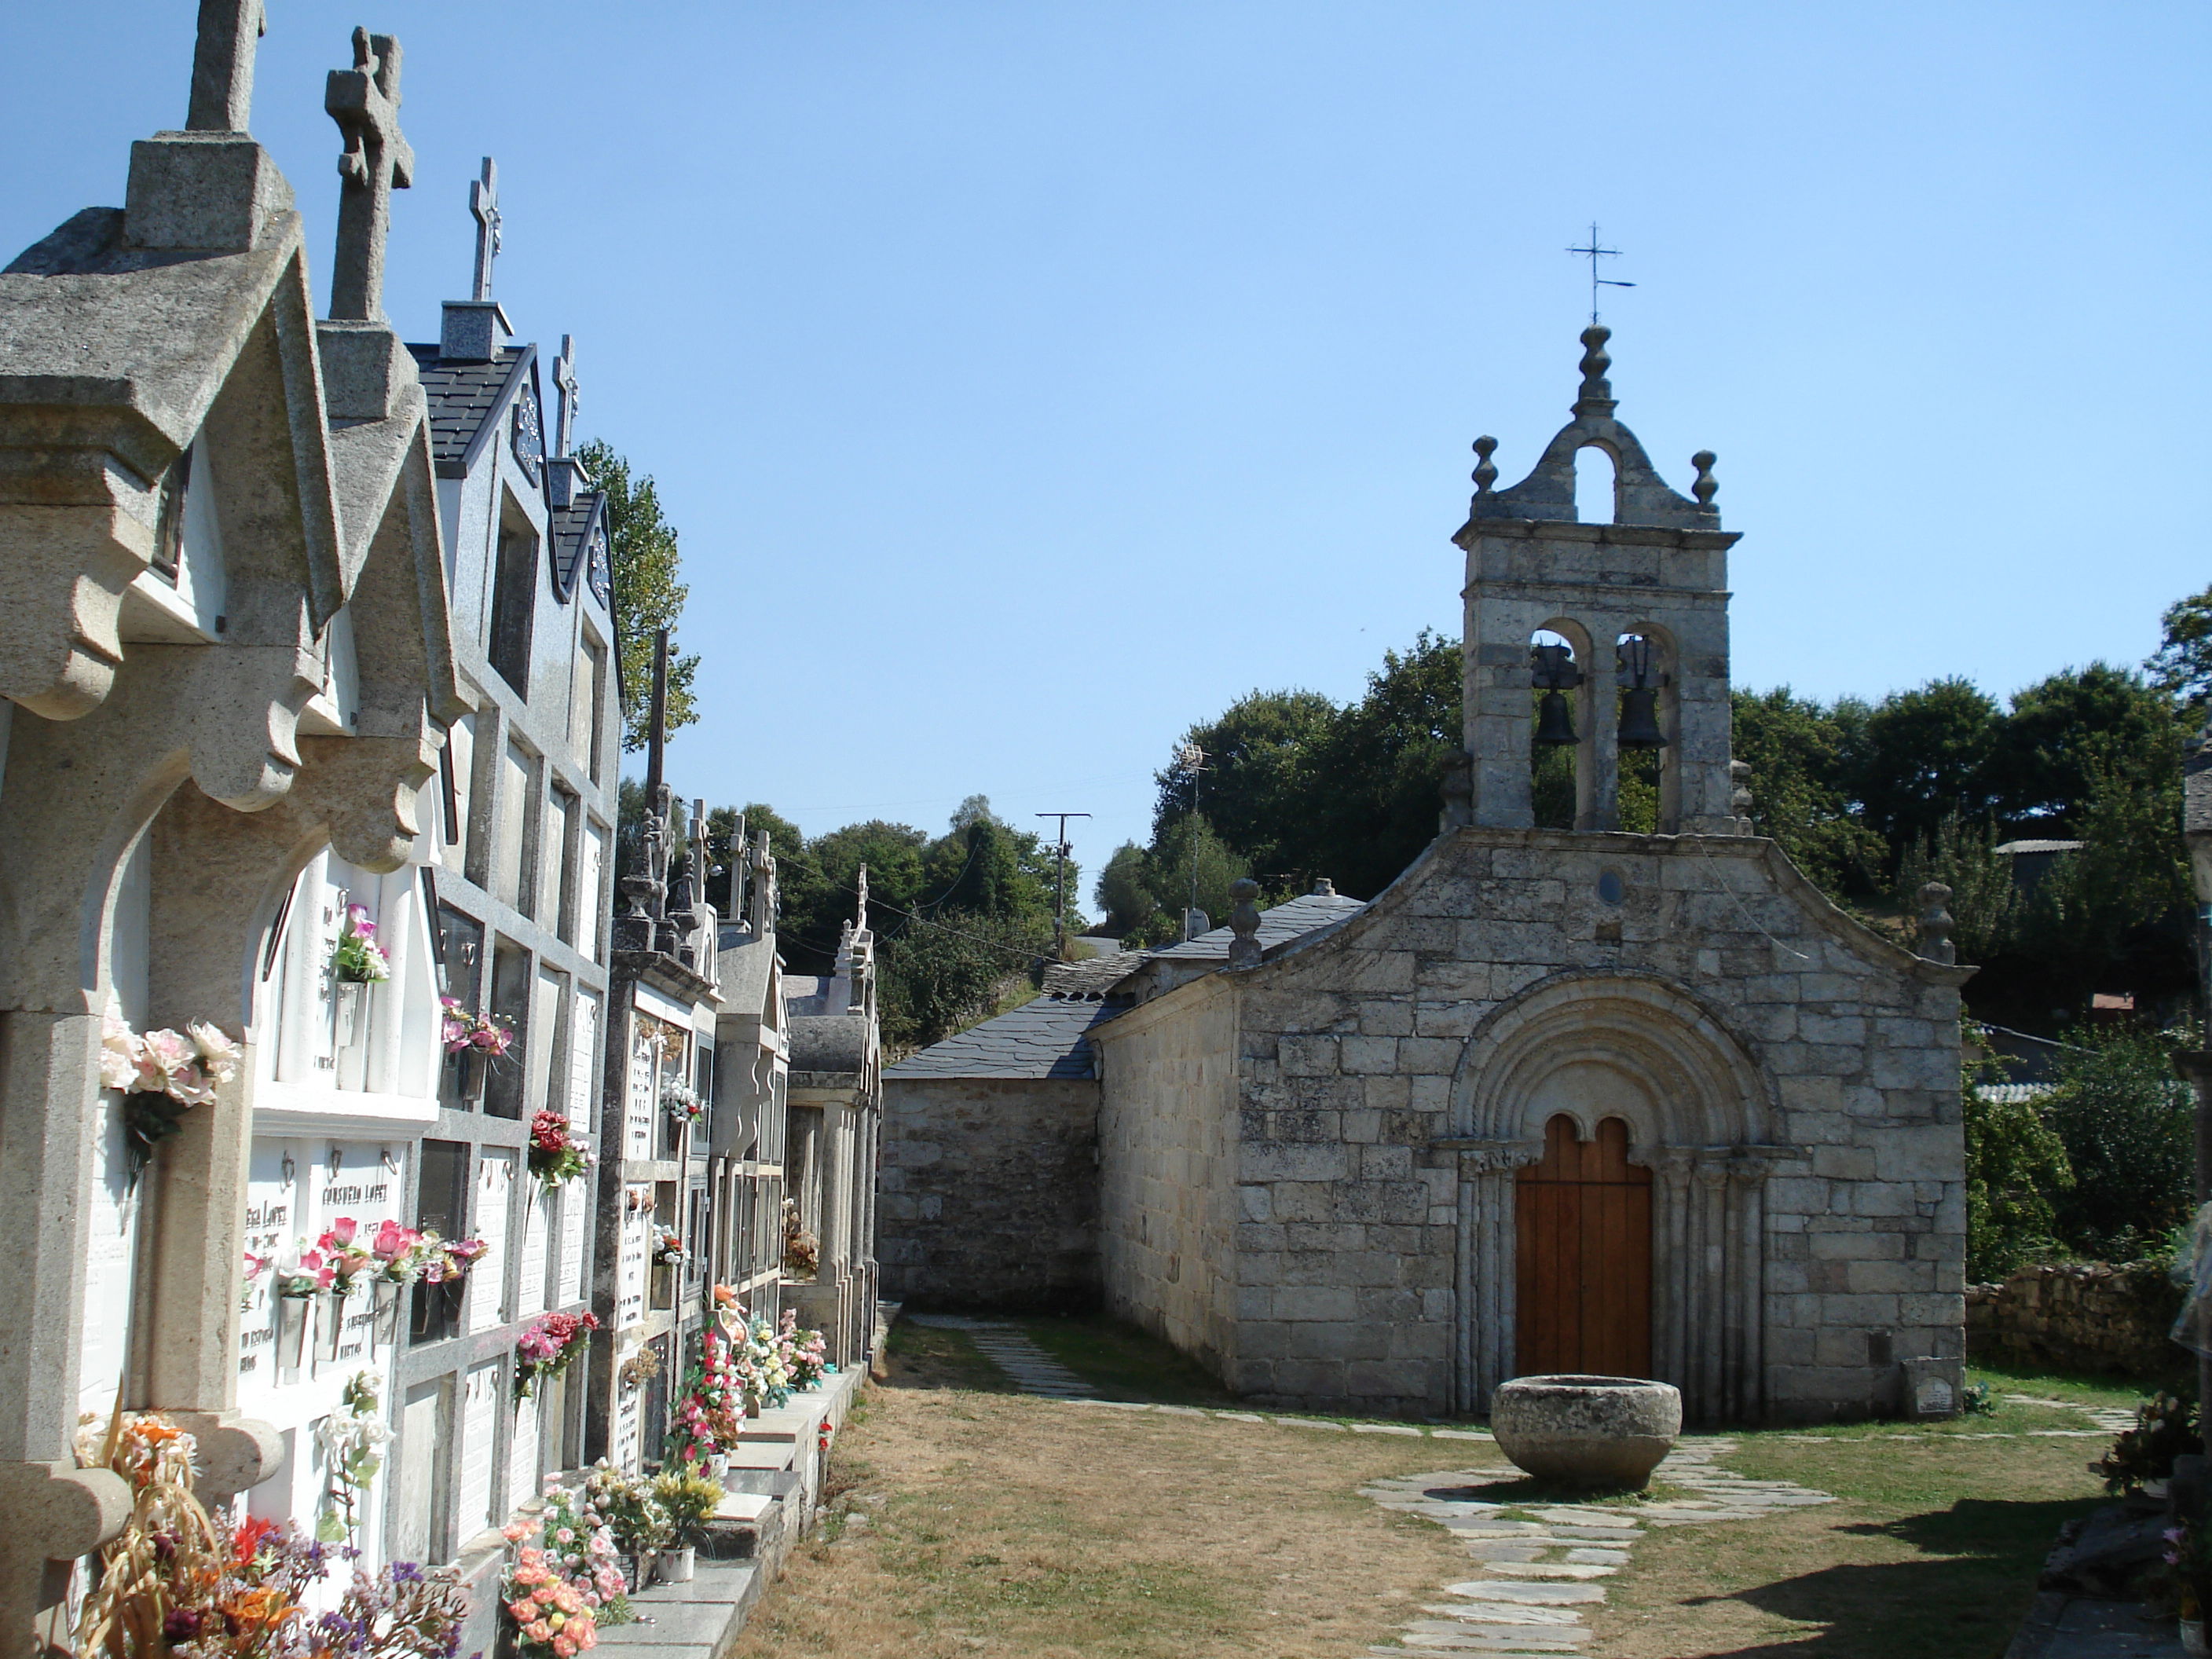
point(1644, 730)
point(1597, 485)
point(1557, 729)
point(1582, 1221)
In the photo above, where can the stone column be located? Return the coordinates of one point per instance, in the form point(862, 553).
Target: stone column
point(1672, 1266)
point(1488, 1264)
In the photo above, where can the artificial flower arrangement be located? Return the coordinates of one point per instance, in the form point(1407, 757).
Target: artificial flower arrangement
point(557, 1154)
point(802, 1251)
point(708, 1418)
point(404, 1255)
point(349, 1260)
point(549, 1347)
point(161, 1075)
point(681, 1102)
point(668, 1249)
point(640, 1368)
point(806, 1353)
point(255, 1267)
point(2188, 1557)
point(634, 1515)
point(359, 959)
point(352, 1438)
point(464, 1030)
point(559, 1593)
point(178, 1582)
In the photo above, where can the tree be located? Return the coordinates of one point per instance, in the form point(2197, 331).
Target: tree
point(1124, 892)
point(1796, 750)
point(2074, 732)
point(2182, 666)
point(1918, 758)
point(649, 594)
point(1259, 786)
point(2016, 1166)
point(2127, 1127)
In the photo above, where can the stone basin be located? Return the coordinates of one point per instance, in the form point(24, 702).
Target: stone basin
point(1593, 1432)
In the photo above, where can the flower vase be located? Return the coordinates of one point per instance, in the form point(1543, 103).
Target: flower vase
point(293, 1315)
point(640, 1569)
point(675, 1566)
point(332, 1339)
point(752, 1405)
point(390, 1298)
point(2192, 1638)
point(350, 994)
point(718, 1466)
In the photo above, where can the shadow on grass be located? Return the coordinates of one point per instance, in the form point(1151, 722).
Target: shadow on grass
point(1123, 1362)
point(1961, 1598)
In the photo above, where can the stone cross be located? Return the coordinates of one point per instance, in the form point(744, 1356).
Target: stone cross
point(222, 64)
point(484, 206)
point(564, 378)
point(364, 101)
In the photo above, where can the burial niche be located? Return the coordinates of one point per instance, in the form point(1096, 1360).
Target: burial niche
point(1584, 1246)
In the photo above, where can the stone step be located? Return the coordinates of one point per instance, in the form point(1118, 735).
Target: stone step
point(1504, 1589)
point(1545, 1569)
point(1506, 1613)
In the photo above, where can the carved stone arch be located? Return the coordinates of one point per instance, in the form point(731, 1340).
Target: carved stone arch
point(1700, 1111)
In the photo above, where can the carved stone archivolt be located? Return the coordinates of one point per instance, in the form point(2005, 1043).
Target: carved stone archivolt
point(1589, 1047)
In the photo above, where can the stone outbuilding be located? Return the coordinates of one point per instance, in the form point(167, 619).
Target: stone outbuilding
point(1560, 1099)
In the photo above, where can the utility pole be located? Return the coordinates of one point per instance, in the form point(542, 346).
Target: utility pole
point(1192, 759)
point(1060, 850)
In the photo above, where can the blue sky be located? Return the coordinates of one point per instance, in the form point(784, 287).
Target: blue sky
point(1028, 380)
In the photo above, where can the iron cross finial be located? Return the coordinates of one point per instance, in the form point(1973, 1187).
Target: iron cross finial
point(222, 64)
point(364, 101)
point(1595, 251)
point(484, 206)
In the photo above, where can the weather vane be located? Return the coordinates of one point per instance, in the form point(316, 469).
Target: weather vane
point(1594, 252)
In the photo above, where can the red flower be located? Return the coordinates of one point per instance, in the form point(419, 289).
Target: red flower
point(246, 1541)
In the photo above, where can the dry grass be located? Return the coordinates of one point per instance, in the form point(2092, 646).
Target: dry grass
point(966, 1519)
point(985, 1523)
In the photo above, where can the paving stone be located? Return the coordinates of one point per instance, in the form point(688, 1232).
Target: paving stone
point(1459, 1434)
point(1508, 1613)
point(1495, 1590)
point(1598, 1558)
point(1385, 1428)
point(1548, 1570)
point(1508, 1550)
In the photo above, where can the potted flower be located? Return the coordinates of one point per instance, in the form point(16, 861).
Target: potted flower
point(689, 1501)
point(399, 1262)
point(549, 1347)
point(557, 1155)
point(806, 1353)
point(357, 963)
point(2188, 1567)
point(682, 1103)
point(2142, 1457)
point(161, 1075)
point(474, 1040)
point(632, 1514)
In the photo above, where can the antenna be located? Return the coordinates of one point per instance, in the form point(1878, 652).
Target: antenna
point(1595, 251)
point(1192, 759)
point(1060, 850)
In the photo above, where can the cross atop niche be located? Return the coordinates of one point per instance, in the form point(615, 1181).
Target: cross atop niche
point(364, 101)
point(484, 207)
point(564, 377)
point(222, 64)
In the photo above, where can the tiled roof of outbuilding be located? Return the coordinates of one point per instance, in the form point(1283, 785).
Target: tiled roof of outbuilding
point(465, 396)
point(1093, 977)
point(1048, 1037)
point(1287, 922)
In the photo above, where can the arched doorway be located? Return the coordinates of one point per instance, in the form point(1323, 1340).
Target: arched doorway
point(1583, 1250)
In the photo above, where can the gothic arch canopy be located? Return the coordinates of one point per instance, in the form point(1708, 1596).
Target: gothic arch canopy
point(1687, 1080)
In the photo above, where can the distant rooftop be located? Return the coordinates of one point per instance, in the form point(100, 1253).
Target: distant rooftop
point(1048, 1037)
point(2011, 847)
point(1302, 915)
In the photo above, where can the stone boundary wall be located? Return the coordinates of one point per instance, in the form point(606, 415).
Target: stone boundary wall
point(988, 1194)
point(2093, 1317)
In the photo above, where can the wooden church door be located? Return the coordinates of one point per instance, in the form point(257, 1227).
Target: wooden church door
point(1584, 1229)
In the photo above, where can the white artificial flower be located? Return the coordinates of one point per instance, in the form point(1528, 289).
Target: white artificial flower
point(121, 1052)
point(219, 1055)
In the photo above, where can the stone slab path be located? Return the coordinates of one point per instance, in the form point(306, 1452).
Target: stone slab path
point(1008, 1346)
point(1538, 1564)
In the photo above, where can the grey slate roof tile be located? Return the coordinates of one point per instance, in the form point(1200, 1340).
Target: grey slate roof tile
point(1046, 1038)
point(465, 396)
point(1280, 926)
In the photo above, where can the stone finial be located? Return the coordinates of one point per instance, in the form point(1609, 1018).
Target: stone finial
point(1244, 924)
point(1323, 887)
point(564, 379)
point(861, 908)
point(222, 64)
point(1740, 795)
point(484, 207)
point(1935, 923)
point(1706, 485)
point(364, 101)
point(1458, 789)
point(1485, 475)
point(1596, 396)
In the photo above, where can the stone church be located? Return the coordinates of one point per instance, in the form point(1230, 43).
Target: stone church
point(1568, 1099)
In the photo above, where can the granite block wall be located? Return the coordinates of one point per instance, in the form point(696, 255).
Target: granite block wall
point(988, 1194)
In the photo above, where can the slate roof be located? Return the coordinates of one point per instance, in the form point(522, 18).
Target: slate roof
point(1302, 915)
point(2038, 846)
point(1093, 977)
point(742, 965)
point(571, 527)
point(1046, 1038)
point(464, 397)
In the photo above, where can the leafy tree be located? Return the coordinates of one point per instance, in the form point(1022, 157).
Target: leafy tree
point(1124, 892)
point(649, 594)
point(1796, 750)
point(2071, 733)
point(2014, 1166)
point(1985, 902)
point(1260, 783)
point(2182, 666)
point(2128, 1125)
point(945, 972)
point(1918, 758)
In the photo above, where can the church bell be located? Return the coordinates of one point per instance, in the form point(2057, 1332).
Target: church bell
point(1555, 724)
point(1639, 703)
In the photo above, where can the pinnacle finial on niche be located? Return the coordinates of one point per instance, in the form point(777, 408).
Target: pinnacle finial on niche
point(1485, 475)
point(1706, 485)
point(1596, 397)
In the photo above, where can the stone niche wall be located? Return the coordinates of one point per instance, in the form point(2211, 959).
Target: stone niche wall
point(988, 1195)
point(1791, 1080)
point(2085, 1316)
point(1168, 1173)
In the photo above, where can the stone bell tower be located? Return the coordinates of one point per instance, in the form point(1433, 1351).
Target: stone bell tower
point(1643, 603)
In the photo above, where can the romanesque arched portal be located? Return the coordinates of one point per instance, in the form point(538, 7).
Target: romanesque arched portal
point(1644, 1060)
